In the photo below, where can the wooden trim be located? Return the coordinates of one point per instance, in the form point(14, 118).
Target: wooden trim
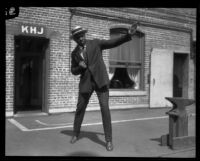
point(162, 13)
point(122, 61)
point(46, 80)
point(124, 66)
point(82, 12)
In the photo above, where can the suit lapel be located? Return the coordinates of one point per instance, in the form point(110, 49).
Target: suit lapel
point(78, 54)
point(88, 50)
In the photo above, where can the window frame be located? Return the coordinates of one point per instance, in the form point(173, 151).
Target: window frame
point(123, 29)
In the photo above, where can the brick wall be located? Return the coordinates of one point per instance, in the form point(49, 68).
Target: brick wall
point(9, 72)
point(55, 19)
point(63, 86)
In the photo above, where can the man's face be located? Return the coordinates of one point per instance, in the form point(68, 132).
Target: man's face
point(80, 39)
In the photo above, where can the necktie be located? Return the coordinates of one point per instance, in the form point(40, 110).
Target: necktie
point(85, 54)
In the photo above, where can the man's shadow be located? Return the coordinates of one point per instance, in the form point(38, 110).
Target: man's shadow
point(86, 134)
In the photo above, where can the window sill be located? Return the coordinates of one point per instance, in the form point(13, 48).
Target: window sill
point(126, 93)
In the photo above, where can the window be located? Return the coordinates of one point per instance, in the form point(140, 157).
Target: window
point(126, 61)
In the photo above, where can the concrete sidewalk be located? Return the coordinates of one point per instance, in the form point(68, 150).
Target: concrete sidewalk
point(136, 133)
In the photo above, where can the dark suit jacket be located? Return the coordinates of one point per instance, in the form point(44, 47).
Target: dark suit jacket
point(96, 66)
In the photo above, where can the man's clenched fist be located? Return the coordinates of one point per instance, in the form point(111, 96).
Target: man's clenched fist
point(82, 64)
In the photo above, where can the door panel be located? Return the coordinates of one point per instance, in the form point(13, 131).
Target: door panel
point(161, 82)
point(30, 83)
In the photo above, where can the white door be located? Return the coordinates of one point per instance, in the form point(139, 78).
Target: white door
point(161, 82)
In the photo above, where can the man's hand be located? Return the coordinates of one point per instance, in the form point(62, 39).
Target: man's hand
point(82, 64)
point(132, 30)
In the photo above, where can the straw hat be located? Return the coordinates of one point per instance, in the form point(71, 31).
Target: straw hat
point(77, 30)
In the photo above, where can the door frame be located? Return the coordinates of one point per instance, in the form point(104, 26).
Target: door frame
point(186, 71)
point(45, 74)
point(180, 51)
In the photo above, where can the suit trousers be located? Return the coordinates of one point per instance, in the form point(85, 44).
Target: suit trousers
point(83, 99)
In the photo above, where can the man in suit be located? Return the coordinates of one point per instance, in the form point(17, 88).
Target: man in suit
point(87, 61)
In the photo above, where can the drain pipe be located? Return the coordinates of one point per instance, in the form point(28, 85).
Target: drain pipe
point(72, 11)
point(193, 56)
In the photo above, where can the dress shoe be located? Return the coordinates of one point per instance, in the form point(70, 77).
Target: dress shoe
point(109, 146)
point(74, 139)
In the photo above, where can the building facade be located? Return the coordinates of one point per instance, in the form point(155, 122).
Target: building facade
point(159, 61)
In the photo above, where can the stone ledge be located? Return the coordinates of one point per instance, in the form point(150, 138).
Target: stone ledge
point(127, 93)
